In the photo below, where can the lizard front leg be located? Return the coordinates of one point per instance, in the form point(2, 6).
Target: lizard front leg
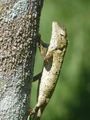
point(43, 50)
point(42, 46)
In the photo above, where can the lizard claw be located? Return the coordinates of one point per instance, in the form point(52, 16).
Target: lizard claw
point(35, 114)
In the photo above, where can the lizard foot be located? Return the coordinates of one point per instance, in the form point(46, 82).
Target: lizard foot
point(35, 114)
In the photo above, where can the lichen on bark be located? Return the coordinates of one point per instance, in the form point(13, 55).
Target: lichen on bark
point(19, 27)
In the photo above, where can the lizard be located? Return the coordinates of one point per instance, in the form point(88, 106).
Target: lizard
point(53, 59)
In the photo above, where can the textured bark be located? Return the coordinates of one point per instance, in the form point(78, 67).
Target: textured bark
point(19, 27)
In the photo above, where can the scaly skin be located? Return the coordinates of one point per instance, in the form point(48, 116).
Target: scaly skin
point(52, 66)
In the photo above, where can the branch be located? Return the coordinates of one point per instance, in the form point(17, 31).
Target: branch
point(52, 67)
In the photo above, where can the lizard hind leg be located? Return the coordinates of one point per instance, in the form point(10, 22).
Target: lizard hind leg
point(39, 114)
point(35, 113)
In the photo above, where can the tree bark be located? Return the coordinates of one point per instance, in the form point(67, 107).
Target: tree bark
point(19, 27)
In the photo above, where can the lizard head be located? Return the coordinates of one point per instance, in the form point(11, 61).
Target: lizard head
point(59, 36)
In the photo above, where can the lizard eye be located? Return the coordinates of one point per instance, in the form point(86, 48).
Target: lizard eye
point(61, 34)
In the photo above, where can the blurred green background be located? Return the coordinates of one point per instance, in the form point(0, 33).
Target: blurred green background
point(71, 99)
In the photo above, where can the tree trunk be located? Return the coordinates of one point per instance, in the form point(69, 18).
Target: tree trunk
point(19, 27)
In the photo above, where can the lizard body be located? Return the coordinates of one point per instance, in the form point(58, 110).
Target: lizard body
point(52, 66)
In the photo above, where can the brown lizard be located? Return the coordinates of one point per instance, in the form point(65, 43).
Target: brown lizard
point(52, 65)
